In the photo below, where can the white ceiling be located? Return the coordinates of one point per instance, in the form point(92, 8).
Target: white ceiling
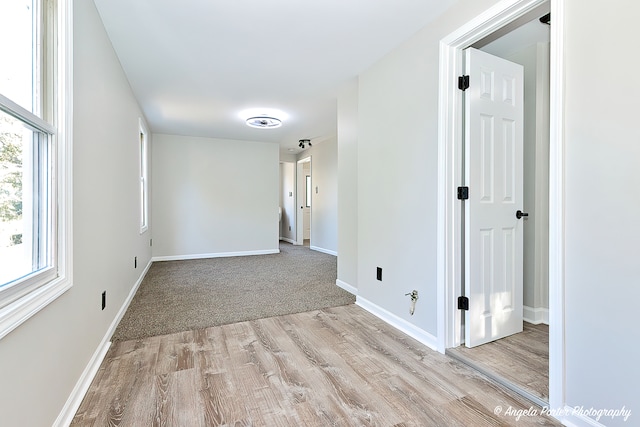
point(195, 65)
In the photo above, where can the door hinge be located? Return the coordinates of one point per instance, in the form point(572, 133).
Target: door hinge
point(463, 82)
point(463, 303)
point(463, 193)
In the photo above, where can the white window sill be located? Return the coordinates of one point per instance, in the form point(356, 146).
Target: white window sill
point(19, 311)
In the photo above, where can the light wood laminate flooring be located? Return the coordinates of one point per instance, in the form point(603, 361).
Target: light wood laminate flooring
point(340, 366)
point(522, 359)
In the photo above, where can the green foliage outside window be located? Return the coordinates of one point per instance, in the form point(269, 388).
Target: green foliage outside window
point(10, 178)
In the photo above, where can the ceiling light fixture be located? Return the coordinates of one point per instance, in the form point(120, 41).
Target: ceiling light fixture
point(303, 142)
point(264, 122)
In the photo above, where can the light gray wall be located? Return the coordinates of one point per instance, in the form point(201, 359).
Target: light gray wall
point(42, 359)
point(324, 207)
point(213, 196)
point(602, 202)
point(348, 184)
point(288, 157)
point(397, 171)
point(535, 59)
point(527, 58)
point(397, 139)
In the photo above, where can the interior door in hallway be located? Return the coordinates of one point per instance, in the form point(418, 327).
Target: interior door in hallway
point(303, 216)
point(307, 201)
point(493, 165)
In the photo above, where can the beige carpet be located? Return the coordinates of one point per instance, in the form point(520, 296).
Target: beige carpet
point(184, 295)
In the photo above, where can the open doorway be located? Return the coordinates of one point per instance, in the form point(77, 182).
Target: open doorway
point(303, 201)
point(523, 358)
point(287, 210)
point(524, 40)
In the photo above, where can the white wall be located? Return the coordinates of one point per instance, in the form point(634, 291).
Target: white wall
point(324, 207)
point(213, 197)
point(602, 203)
point(287, 201)
point(397, 172)
point(397, 176)
point(397, 139)
point(348, 185)
point(535, 59)
point(42, 360)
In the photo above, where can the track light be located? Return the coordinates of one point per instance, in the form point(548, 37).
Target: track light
point(304, 142)
point(546, 19)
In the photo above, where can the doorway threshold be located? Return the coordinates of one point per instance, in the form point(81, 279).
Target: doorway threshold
point(516, 388)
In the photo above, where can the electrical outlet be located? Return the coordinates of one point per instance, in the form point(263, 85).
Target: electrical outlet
point(104, 300)
point(379, 273)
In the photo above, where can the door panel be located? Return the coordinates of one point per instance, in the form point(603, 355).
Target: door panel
point(494, 114)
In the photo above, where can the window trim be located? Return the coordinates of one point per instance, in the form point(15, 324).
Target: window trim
point(33, 300)
point(33, 280)
point(19, 112)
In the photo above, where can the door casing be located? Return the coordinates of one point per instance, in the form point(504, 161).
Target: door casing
point(505, 13)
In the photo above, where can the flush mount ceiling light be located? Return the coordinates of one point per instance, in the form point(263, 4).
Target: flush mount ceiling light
point(264, 122)
point(304, 142)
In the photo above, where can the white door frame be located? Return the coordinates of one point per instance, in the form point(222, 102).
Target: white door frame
point(449, 178)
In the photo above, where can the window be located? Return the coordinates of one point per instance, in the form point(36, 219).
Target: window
point(34, 155)
point(308, 194)
point(144, 191)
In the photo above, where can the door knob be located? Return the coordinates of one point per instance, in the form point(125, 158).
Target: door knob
point(520, 214)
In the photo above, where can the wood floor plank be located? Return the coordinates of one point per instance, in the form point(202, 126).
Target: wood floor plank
point(220, 405)
point(339, 366)
point(189, 408)
point(175, 353)
point(389, 378)
point(353, 395)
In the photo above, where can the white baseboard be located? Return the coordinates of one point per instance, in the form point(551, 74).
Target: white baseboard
point(325, 251)
point(288, 240)
point(347, 287)
point(125, 305)
point(82, 386)
point(536, 315)
point(215, 255)
point(399, 323)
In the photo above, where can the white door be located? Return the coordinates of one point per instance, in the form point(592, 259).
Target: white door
point(494, 114)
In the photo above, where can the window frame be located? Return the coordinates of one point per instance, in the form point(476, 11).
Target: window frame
point(25, 298)
point(22, 286)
